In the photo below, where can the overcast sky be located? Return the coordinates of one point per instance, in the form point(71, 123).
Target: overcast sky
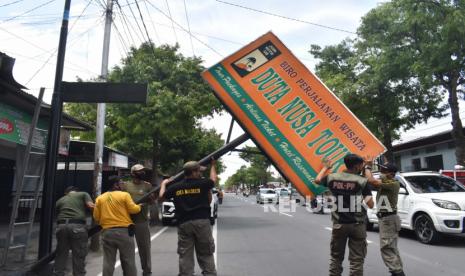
point(29, 32)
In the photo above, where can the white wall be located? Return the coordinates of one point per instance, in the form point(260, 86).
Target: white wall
point(448, 156)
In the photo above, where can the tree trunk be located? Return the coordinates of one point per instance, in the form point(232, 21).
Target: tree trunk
point(387, 141)
point(155, 160)
point(457, 128)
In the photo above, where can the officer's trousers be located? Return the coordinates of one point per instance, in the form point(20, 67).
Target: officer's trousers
point(71, 236)
point(196, 234)
point(356, 234)
point(389, 228)
point(142, 233)
point(118, 239)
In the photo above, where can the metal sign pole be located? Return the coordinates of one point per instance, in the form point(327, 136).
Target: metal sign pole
point(45, 237)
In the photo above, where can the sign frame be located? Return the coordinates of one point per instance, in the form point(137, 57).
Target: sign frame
point(288, 111)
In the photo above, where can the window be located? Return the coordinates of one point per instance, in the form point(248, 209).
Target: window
point(416, 163)
point(397, 161)
point(434, 162)
point(414, 152)
point(434, 184)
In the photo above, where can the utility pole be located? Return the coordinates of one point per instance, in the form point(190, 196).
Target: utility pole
point(100, 128)
point(48, 193)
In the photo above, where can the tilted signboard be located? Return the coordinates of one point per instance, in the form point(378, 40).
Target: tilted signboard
point(292, 116)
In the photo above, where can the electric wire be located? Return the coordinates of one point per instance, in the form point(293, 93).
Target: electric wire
point(56, 50)
point(28, 11)
point(143, 24)
point(199, 40)
point(151, 21)
point(171, 18)
point(286, 17)
point(124, 24)
point(189, 27)
point(11, 3)
point(128, 23)
point(137, 22)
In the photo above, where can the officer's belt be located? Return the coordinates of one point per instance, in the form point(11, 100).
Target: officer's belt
point(385, 214)
point(75, 221)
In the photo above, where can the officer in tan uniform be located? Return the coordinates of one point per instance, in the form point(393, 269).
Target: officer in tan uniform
point(137, 188)
point(348, 187)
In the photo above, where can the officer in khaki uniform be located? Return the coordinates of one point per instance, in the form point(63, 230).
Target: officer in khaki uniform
point(389, 222)
point(71, 231)
point(192, 198)
point(137, 188)
point(348, 223)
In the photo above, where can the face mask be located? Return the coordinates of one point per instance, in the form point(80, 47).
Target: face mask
point(139, 175)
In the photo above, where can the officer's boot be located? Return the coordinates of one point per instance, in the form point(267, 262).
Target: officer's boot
point(398, 273)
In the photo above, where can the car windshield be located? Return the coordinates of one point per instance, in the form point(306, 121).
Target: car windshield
point(270, 192)
point(434, 184)
point(284, 192)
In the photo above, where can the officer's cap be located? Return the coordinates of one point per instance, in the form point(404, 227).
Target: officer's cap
point(192, 166)
point(388, 168)
point(137, 168)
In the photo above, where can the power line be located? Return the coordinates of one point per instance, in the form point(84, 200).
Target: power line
point(137, 23)
point(286, 17)
point(205, 44)
point(145, 27)
point(26, 12)
point(171, 18)
point(151, 21)
point(189, 27)
point(54, 52)
point(11, 3)
point(125, 20)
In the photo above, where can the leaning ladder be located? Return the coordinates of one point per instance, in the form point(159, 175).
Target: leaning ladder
point(20, 197)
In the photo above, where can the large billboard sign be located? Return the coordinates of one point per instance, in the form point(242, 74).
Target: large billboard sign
point(291, 115)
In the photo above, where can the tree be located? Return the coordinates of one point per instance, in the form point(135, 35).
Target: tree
point(428, 39)
point(258, 171)
point(167, 129)
point(373, 82)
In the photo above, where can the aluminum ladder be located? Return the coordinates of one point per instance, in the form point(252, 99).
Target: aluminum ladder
point(20, 197)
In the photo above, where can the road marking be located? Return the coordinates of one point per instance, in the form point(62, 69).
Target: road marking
point(286, 214)
point(215, 238)
point(368, 241)
point(156, 235)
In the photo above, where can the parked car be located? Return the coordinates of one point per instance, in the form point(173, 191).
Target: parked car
point(267, 195)
point(429, 204)
point(167, 211)
point(282, 193)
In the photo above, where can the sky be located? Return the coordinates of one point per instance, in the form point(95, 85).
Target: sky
point(29, 32)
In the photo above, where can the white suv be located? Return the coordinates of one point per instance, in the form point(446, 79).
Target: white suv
point(430, 204)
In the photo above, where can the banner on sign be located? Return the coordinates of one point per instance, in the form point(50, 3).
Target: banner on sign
point(290, 114)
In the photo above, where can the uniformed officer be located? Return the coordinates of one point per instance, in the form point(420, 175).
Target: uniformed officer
point(137, 188)
point(389, 222)
point(112, 212)
point(347, 188)
point(192, 198)
point(71, 230)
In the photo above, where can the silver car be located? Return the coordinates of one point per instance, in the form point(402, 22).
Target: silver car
point(267, 195)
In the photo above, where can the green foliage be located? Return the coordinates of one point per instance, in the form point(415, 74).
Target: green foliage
point(425, 39)
point(166, 129)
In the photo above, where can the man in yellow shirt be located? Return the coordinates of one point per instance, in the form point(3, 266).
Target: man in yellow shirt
point(112, 211)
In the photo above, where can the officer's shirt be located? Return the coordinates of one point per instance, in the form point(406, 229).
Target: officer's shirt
point(137, 191)
point(191, 198)
point(73, 205)
point(389, 189)
point(347, 187)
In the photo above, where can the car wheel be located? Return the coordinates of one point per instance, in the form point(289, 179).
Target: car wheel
point(212, 221)
point(425, 231)
point(165, 221)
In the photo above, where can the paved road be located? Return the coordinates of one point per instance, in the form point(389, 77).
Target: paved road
point(253, 240)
